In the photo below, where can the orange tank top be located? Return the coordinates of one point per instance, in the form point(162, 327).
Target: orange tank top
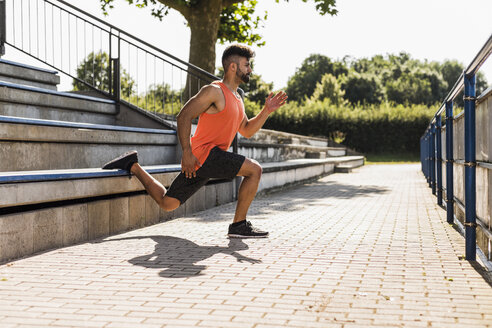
point(218, 129)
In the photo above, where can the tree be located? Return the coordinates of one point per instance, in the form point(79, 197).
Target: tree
point(409, 89)
point(94, 70)
point(212, 20)
point(302, 84)
point(364, 88)
point(329, 88)
point(451, 71)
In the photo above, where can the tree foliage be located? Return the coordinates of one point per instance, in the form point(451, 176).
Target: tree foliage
point(303, 83)
point(362, 88)
point(329, 88)
point(399, 79)
point(387, 102)
point(212, 20)
point(94, 70)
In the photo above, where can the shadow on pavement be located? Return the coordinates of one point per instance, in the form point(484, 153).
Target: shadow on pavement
point(296, 198)
point(330, 189)
point(178, 257)
point(486, 275)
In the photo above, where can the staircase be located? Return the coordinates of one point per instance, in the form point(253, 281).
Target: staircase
point(53, 192)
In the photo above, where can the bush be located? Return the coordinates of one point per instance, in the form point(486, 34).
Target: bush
point(368, 129)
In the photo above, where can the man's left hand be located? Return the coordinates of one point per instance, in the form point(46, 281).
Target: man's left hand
point(274, 102)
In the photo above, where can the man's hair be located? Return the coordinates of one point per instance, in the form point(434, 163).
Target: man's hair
point(233, 51)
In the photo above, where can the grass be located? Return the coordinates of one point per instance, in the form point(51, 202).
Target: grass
point(395, 158)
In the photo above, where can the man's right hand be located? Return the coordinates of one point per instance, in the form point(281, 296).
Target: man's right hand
point(188, 164)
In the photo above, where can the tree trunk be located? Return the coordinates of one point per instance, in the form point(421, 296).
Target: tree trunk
point(204, 22)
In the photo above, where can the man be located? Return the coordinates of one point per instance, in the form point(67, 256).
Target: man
point(205, 155)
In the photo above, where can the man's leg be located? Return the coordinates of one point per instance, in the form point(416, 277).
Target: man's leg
point(251, 171)
point(155, 189)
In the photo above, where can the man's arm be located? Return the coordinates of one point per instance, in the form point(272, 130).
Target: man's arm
point(191, 110)
point(272, 103)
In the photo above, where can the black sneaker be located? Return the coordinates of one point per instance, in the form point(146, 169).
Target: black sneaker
point(245, 230)
point(124, 162)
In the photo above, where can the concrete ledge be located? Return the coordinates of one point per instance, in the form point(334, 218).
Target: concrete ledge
point(26, 74)
point(32, 144)
point(28, 67)
point(65, 124)
point(51, 113)
point(302, 163)
point(278, 137)
point(15, 93)
point(35, 187)
point(15, 80)
point(349, 165)
point(28, 188)
point(265, 152)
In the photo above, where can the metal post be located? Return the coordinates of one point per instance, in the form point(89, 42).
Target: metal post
point(449, 163)
point(115, 92)
point(426, 159)
point(422, 155)
point(433, 157)
point(470, 167)
point(439, 160)
point(3, 27)
point(110, 68)
point(429, 176)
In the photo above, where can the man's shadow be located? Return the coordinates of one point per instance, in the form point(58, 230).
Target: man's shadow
point(178, 256)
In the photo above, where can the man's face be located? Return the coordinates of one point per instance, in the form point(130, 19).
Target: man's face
point(244, 70)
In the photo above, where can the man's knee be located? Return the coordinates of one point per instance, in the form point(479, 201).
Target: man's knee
point(256, 169)
point(169, 203)
point(250, 169)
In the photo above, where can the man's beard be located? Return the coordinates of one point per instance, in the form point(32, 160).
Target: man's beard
point(244, 77)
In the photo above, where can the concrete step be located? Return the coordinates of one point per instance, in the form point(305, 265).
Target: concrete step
point(18, 73)
point(270, 152)
point(41, 210)
point(33, 144)
point(275, 146)
point(349, 164)
point(31, 102)
point(284, 138)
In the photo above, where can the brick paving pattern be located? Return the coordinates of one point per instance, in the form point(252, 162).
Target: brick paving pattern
point(369, 248)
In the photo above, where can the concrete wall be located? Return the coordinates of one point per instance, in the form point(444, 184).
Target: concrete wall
point(483, 169)
point(31, 232)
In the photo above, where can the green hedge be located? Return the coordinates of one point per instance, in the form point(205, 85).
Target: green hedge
point(380, 128)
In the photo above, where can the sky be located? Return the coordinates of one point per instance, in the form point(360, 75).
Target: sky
point(432, 30)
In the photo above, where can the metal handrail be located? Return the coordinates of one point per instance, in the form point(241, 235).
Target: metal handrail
point(431, 151)
point(136, 38)
point(152, 79)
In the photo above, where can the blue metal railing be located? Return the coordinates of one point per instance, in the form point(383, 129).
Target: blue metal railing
point(99, 56)
point(431, 153)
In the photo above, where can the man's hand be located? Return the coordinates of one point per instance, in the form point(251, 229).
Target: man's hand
point(188, 164)
point(274, 102)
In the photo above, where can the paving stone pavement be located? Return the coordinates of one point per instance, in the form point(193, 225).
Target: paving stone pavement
point(365, 249)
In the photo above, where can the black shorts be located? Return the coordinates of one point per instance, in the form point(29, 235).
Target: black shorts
point(219, 164)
